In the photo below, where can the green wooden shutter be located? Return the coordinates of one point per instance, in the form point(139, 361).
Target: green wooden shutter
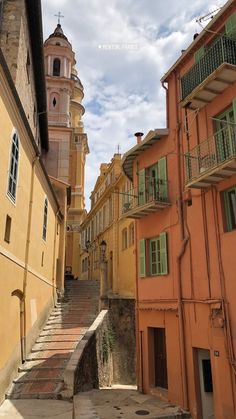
point(141, 187)
point(163, 254)
point(162, 179)
point(199, 54)
point(230, 25)
point(234, 109)
point(142, 258)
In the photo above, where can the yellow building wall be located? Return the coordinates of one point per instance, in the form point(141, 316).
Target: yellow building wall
point(121, 265)
point(16, 270)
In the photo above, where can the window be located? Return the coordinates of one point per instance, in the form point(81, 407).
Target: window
point(225, 133)
point(45, 219)
point(131, 234)
point(13, 170)
point(56, 67)
point(124, 238)
point(199, 54)
point(156, 249)
point(230, 208)
point(230, 26)
point(7, 234)
point(152, 183)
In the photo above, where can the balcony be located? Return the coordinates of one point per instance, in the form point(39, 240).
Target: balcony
point(213, 160)
point(153, 197)
point(215, 71)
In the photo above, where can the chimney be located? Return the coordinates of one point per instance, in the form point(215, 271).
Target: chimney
point(139, 135)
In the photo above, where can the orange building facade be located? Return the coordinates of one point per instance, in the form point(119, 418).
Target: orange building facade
point(184, 203)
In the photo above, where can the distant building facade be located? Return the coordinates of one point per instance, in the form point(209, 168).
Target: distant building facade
point(68, 144)
point(116, 269)
point(185, 182)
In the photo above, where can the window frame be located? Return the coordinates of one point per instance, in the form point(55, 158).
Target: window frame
point(227, 211)
point(13, 168)
point(45, 219)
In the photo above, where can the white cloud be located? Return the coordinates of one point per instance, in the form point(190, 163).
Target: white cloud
point(122, 89)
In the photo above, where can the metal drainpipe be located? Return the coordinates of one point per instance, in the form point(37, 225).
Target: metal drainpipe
point(27, 254)
point(184, 241)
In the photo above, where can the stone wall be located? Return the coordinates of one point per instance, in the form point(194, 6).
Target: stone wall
point(122, 323)
point(90, 365)
point(15, 45)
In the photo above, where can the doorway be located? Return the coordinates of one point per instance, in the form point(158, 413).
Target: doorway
point(205, 383)
point(160, 359)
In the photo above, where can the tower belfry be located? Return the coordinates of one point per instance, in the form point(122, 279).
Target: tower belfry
point(68, 143)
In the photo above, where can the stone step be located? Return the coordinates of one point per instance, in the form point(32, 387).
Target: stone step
point(67, 326)
point(48, 346)
point(62, 353)
point(59, 338)
point(65, 331)
point(47, 364)
point(55, 374)
point(35, 390)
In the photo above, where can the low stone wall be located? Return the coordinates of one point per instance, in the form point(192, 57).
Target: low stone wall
point(122, 325)
point(90, 365)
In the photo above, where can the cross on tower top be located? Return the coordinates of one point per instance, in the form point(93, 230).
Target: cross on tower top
point(59, 15)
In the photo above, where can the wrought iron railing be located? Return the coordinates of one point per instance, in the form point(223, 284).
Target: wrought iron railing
point(153, 191)
point(212, 152)
point(223, 50)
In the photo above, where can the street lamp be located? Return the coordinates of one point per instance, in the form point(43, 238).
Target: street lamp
point(103, 247)
point(87, 245)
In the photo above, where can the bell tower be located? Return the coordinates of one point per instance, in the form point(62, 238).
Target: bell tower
point(68, 143)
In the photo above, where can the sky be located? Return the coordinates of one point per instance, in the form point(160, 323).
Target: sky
point(123, 48)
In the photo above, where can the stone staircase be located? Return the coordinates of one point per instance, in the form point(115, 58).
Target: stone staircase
point(41, 376)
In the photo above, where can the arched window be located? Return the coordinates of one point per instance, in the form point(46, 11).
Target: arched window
point(56, 67)
point(13, 169)
point(45, 219)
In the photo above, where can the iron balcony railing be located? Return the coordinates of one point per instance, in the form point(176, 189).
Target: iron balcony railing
point(154, 191)
point(211, 153)
point(222, 51)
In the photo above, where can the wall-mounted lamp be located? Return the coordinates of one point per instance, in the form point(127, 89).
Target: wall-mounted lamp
point(103, 247)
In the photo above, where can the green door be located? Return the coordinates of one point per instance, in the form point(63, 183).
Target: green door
point(162, 180)
point(225, 138)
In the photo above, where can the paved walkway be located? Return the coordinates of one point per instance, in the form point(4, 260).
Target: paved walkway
point(114, 403)
point(123, 402)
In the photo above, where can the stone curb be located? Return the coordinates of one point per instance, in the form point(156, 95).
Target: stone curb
point(73, 364)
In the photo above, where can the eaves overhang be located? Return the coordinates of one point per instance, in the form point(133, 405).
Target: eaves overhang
point(151, 138)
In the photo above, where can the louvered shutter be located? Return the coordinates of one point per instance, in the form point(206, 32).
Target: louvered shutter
point(162, 179)
point(142, 258)
point(163, 254)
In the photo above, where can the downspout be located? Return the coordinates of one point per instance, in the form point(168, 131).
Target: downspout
point(54, 257)
point(167, 103)
point(23, 306)
point(184, 242)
